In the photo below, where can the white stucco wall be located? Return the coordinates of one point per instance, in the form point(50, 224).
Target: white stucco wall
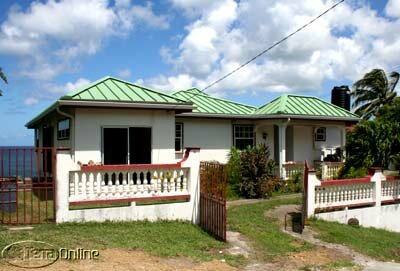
point(306, 148)
point(383, 217)
point(171, 211)
point(89, 122)
point(269, 130)
point(333, 139)
point(303, 145)
point(213, 136)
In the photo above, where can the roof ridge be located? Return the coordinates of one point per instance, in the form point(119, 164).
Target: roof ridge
point(282, 104)
point(103, 79)
point(277, 98)
point(83, 88)
point(146, 88)
point(220, 99)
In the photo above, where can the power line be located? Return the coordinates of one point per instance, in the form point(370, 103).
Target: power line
point(266, 50)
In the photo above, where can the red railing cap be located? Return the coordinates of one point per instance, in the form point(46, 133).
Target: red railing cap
point(346, 181)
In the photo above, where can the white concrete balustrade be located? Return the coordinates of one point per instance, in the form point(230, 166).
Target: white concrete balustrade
point(343, 194)
point(359, 192)
point(330, 169)
point(293, 168)
point(390, 190)
point(157, 184)
point(374, 201)
point(88, 185)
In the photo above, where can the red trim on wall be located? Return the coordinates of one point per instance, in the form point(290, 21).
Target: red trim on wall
point(392, 178)
point(140, 166)
point(128, 167)
point(105, 201)
point(344, 206)
point(347, 181)
point(390, 201)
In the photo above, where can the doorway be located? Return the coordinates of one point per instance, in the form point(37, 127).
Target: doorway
point(127, 145)
point(48, 141)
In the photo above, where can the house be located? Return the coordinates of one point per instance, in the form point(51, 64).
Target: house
point(112, 121)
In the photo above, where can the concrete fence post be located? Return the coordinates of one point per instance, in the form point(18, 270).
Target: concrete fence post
point(193, 162)
point(377, 178)
point(64, 164)
point(312, 183)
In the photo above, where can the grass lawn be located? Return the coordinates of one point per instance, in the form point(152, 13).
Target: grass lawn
point(31, 208)
point(160, 238)
point(264, 233)
point(379, 244)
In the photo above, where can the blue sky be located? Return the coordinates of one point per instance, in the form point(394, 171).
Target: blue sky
point(49, 48)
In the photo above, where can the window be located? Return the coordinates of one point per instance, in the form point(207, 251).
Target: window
point(320, 134)
point(243, 136)
point(63, 129)
point(178, 137)
point(126, 145)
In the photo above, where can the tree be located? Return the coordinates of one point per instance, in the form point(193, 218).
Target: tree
point(376, 142)
point(374, 90)
point(4, 78)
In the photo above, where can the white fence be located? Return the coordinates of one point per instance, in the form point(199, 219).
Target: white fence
point(330, 170)
point(338, 194)
point(123, 182)
point(80, 186)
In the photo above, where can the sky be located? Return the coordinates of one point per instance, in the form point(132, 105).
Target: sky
point(49, 48)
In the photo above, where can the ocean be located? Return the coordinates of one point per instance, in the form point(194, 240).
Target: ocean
point(19, 160)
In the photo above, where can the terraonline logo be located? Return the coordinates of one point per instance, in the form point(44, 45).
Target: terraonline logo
point(36, 254)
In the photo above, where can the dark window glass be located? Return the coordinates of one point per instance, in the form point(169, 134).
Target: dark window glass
point(63, 129)
point(243, 136)
point(179, 137)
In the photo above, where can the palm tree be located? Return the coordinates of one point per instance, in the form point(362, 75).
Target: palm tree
point(4, 78)
point(372, 91)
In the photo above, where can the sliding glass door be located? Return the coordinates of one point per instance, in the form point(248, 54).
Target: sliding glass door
point(126, 145)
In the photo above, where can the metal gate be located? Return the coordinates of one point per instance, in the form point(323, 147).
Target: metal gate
point(304, 199)
point(213, 198)
point(27, 185)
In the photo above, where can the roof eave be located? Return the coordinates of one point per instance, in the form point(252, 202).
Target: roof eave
point(116, 104)
point(48, 110)
point(268, 116)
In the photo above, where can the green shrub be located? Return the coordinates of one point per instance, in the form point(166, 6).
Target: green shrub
point(295, 184)
point(351, 172)
point(234, 173)
point(250, 172)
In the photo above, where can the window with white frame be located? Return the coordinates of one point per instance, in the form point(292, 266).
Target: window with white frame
point(178, 136)
point(243, 136)
point(320, 134)
point(63, 129)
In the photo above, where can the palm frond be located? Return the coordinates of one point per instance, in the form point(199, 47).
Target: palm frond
point(3, 76)
point(394, 79)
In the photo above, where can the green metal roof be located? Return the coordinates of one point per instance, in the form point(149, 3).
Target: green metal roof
point(117, 90)
point(212, 105)
point(291, 104)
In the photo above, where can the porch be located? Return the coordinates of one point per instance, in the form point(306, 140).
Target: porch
point(292, 142)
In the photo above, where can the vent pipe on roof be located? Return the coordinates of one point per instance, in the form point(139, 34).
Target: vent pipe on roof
point(341, 97)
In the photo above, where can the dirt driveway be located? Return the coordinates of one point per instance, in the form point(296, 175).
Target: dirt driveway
point(124, 260)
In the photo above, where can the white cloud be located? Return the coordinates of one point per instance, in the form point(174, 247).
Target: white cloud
point(393, 8)
point(193, 7)
point(125, 73)
point(31, 101)
point(50, 91)
point(342, 45)
point(66, 88)
point(51, 36)
point(169, 84)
